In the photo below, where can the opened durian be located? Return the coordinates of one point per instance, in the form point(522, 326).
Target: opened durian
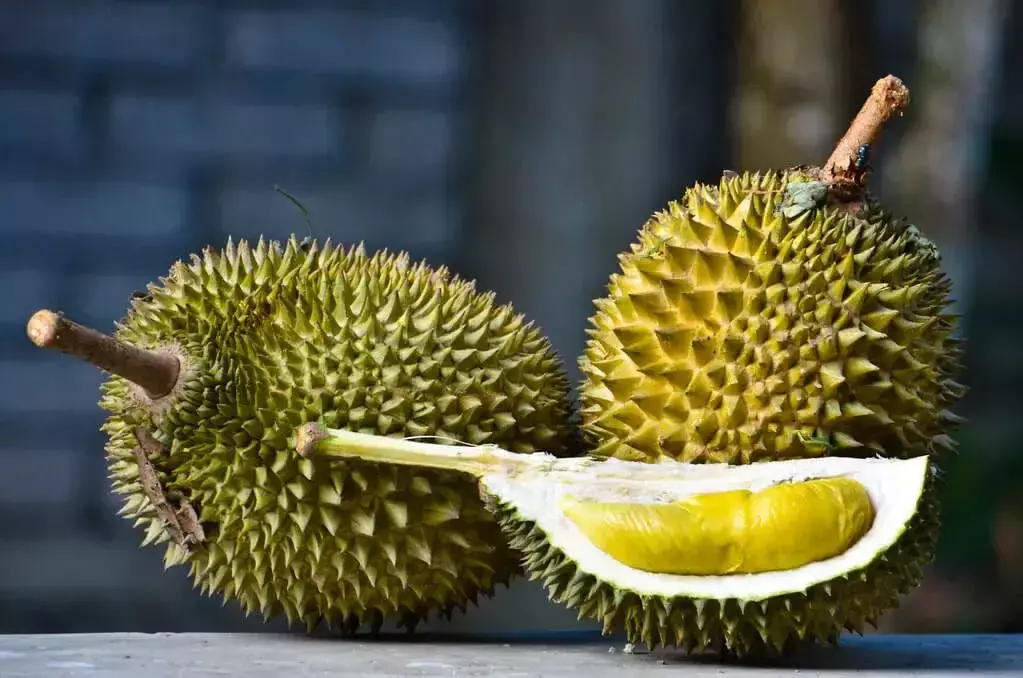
point(776, 315)
point(741, 559)
point(217, 365)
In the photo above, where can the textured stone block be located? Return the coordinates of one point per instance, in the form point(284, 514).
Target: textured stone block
point(362, 44)
point(104, 32)
point(411, 143)
point(192, 125)
point(53, 385)
point(27, 290)
point(103, 298)
point(40, 119)
point(93, 207)
point(39, 476)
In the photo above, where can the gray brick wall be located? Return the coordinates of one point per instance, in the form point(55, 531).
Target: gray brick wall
point(95, 33)
point(135, 132)
point(344, 43)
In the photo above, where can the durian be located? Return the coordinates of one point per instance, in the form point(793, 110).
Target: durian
point(216, 366)
point(751, 559)
point(775, 315)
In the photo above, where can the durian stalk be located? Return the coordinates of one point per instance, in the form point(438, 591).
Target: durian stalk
point(888, 97)
point(317, 441)
point(156, 373)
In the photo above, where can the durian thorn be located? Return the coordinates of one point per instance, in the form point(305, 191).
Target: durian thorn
point(156, 373)
point(316, 441)
point(888, 97)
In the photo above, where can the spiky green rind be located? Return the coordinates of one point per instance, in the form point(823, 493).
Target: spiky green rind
point(733, 333)
point(740, 628)
point(278, 335)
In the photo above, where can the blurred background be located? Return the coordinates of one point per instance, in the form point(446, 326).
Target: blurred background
point(521, 142)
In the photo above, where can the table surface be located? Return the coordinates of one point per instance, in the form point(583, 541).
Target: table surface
point(260, 655)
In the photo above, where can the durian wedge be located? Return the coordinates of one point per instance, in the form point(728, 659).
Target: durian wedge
point(742, 559)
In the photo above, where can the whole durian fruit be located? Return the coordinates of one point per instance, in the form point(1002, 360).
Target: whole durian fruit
point(216, 366)
point(774, 315)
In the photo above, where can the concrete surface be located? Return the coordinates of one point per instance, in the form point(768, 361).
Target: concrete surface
point(262, 655)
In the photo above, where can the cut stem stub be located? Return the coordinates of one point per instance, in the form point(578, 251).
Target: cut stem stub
point(888, 98)
point(156, 373)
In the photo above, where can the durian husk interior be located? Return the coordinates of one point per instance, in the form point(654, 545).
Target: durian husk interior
point(733, 333)
point(737, 571)
point(275, 335)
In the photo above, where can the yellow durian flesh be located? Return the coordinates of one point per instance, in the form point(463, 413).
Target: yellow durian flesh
point(734, 532)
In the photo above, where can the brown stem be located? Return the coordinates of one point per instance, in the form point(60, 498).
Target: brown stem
point(888, 98)
point(154, 490)
point(156, 373)
point(189, 521)
point(148, 442)
point(182, 523)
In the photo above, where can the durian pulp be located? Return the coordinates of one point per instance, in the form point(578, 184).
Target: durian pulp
point(733, 532)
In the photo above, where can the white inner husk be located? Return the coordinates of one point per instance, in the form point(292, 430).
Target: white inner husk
point(894, 486)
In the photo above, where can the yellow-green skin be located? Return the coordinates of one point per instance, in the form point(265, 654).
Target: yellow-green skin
point(273, 337)
point(734, 333)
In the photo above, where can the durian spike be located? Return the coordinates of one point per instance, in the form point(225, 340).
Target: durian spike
point(156, 373)
point(888, 97)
